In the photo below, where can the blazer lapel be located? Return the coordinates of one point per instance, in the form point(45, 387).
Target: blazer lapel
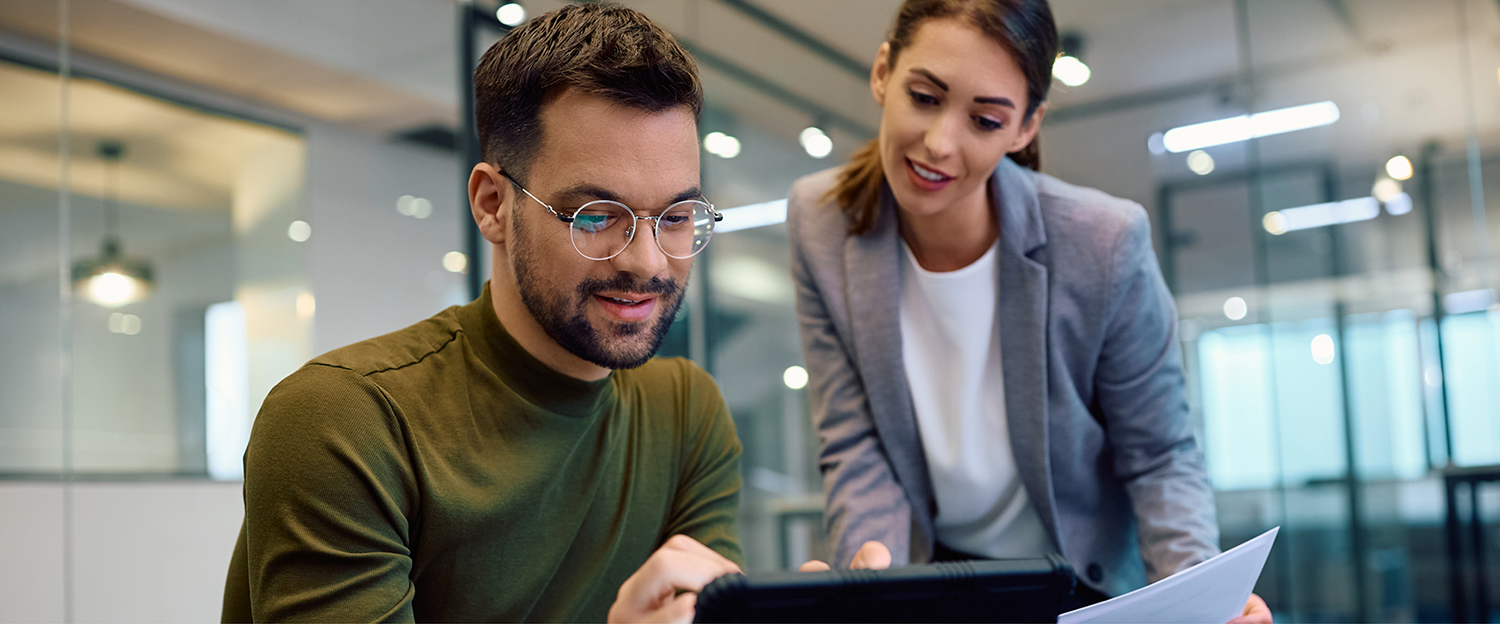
point(873, 275)
point(1022, 312)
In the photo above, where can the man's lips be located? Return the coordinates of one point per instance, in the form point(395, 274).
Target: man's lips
point(628, 307)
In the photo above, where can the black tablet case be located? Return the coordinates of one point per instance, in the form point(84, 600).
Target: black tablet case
point(1004, 590)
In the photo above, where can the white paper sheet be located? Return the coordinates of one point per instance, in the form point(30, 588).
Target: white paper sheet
point(1212, 592)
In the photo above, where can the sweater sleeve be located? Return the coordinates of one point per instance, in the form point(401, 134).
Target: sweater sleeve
point(706, 504)
point(329, 494)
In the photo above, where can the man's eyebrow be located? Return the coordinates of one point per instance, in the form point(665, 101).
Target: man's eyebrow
point(584, 193)
point(983, 99)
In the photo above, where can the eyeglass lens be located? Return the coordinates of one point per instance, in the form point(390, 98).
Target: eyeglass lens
point(602, 229)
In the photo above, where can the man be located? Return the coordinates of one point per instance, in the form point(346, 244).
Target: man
point(521, 457)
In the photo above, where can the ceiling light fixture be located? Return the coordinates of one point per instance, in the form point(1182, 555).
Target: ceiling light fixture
point(112, 279)
point(511, 14)
point(1319, 215)
point(1399, 167)
point(721, 145)
point(1069, 67)
point(816, 142)
point(1246, 127)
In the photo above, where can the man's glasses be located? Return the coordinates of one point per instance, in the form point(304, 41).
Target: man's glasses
point(601, 229)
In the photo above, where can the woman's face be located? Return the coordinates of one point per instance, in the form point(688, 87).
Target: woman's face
point(953, 107)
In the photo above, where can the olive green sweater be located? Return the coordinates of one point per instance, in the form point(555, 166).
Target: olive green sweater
point(441, 473)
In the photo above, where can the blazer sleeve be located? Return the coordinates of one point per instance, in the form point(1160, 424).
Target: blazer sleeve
point(863, 500)
point(1142, 396)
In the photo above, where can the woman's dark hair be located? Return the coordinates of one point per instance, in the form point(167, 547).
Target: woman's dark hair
point(1023, 27)
point(602, 49)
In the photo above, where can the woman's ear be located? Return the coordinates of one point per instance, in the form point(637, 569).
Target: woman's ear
point(880, 73)
point(1029, 129)
point(490, 201)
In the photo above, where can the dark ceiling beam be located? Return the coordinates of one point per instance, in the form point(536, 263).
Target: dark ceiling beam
point(1222, 87)
point(736, 72)
point(855, 67)
point(1340, 10)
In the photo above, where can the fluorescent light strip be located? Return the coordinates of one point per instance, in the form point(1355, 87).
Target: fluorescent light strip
point(752, 216)
point(1319, 215)
point(1468, 301)
point(1245, 127)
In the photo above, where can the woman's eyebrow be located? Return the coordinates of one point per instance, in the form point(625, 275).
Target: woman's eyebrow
point(982, 99)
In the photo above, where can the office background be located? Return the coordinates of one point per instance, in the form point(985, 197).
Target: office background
point(286, 178)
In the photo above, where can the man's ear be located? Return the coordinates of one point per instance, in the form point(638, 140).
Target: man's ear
point(880, 73)
point(490, 201)
point(1029, 129)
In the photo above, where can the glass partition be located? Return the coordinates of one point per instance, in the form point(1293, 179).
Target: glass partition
point(183, 294)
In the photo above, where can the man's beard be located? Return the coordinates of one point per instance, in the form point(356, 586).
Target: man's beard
point(565, 319)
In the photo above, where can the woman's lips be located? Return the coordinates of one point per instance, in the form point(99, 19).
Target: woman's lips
point(628, 312)
point(924, 183)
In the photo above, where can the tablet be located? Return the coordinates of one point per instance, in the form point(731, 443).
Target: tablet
point(1003, 590)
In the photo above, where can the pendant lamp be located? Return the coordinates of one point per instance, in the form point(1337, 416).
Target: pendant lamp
point(112, 279)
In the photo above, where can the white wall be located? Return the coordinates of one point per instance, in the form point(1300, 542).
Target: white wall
point(142, 552)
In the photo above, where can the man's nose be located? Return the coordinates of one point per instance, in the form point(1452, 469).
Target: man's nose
point(642, 256)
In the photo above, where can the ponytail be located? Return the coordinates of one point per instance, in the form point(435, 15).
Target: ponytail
point(857, 191)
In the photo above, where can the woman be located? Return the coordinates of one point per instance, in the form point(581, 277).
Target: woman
point(994, 370)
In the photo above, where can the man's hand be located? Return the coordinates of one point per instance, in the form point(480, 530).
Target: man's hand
point(1256, 612)
point(652, 594)
point(871, 556)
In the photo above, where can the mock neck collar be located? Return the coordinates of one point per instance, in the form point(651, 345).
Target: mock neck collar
point(522, 372)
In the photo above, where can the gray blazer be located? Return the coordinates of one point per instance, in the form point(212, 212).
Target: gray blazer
point(1094, 392)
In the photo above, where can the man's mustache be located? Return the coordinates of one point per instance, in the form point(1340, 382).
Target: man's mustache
point(625, 282)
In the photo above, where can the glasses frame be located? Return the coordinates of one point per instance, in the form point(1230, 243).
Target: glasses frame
point(629, 232)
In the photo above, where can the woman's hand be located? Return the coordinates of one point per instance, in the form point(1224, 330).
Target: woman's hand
point(1256, 612)
point(872, 556)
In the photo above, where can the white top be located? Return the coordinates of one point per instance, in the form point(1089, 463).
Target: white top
point(951, 351)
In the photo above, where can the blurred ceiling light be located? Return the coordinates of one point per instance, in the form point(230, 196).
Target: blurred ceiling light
point(816, 142)
point(128, 324)
point(307, 306)
point(1274, 223)
point(1157, 144)
point(1398, 205)
point(1322, 349)
point(421, 207)
point(1319, 215)
point(721, 145)
point(1235, 308)
point(1071, 71)
point(1245, 127)
point(1468, 301)
point(1399, 168)
point(1200, 162)
point(299, 231)
point(795, 377)
point(403, 205)
point(511, 14)
point(112, 279)
point(455, 262)
point(752, 216)
point(1385, 189)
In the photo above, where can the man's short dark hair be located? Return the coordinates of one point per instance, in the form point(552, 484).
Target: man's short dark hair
point(601, 49)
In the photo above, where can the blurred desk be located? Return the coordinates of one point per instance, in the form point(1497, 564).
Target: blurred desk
point(1466, 609)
